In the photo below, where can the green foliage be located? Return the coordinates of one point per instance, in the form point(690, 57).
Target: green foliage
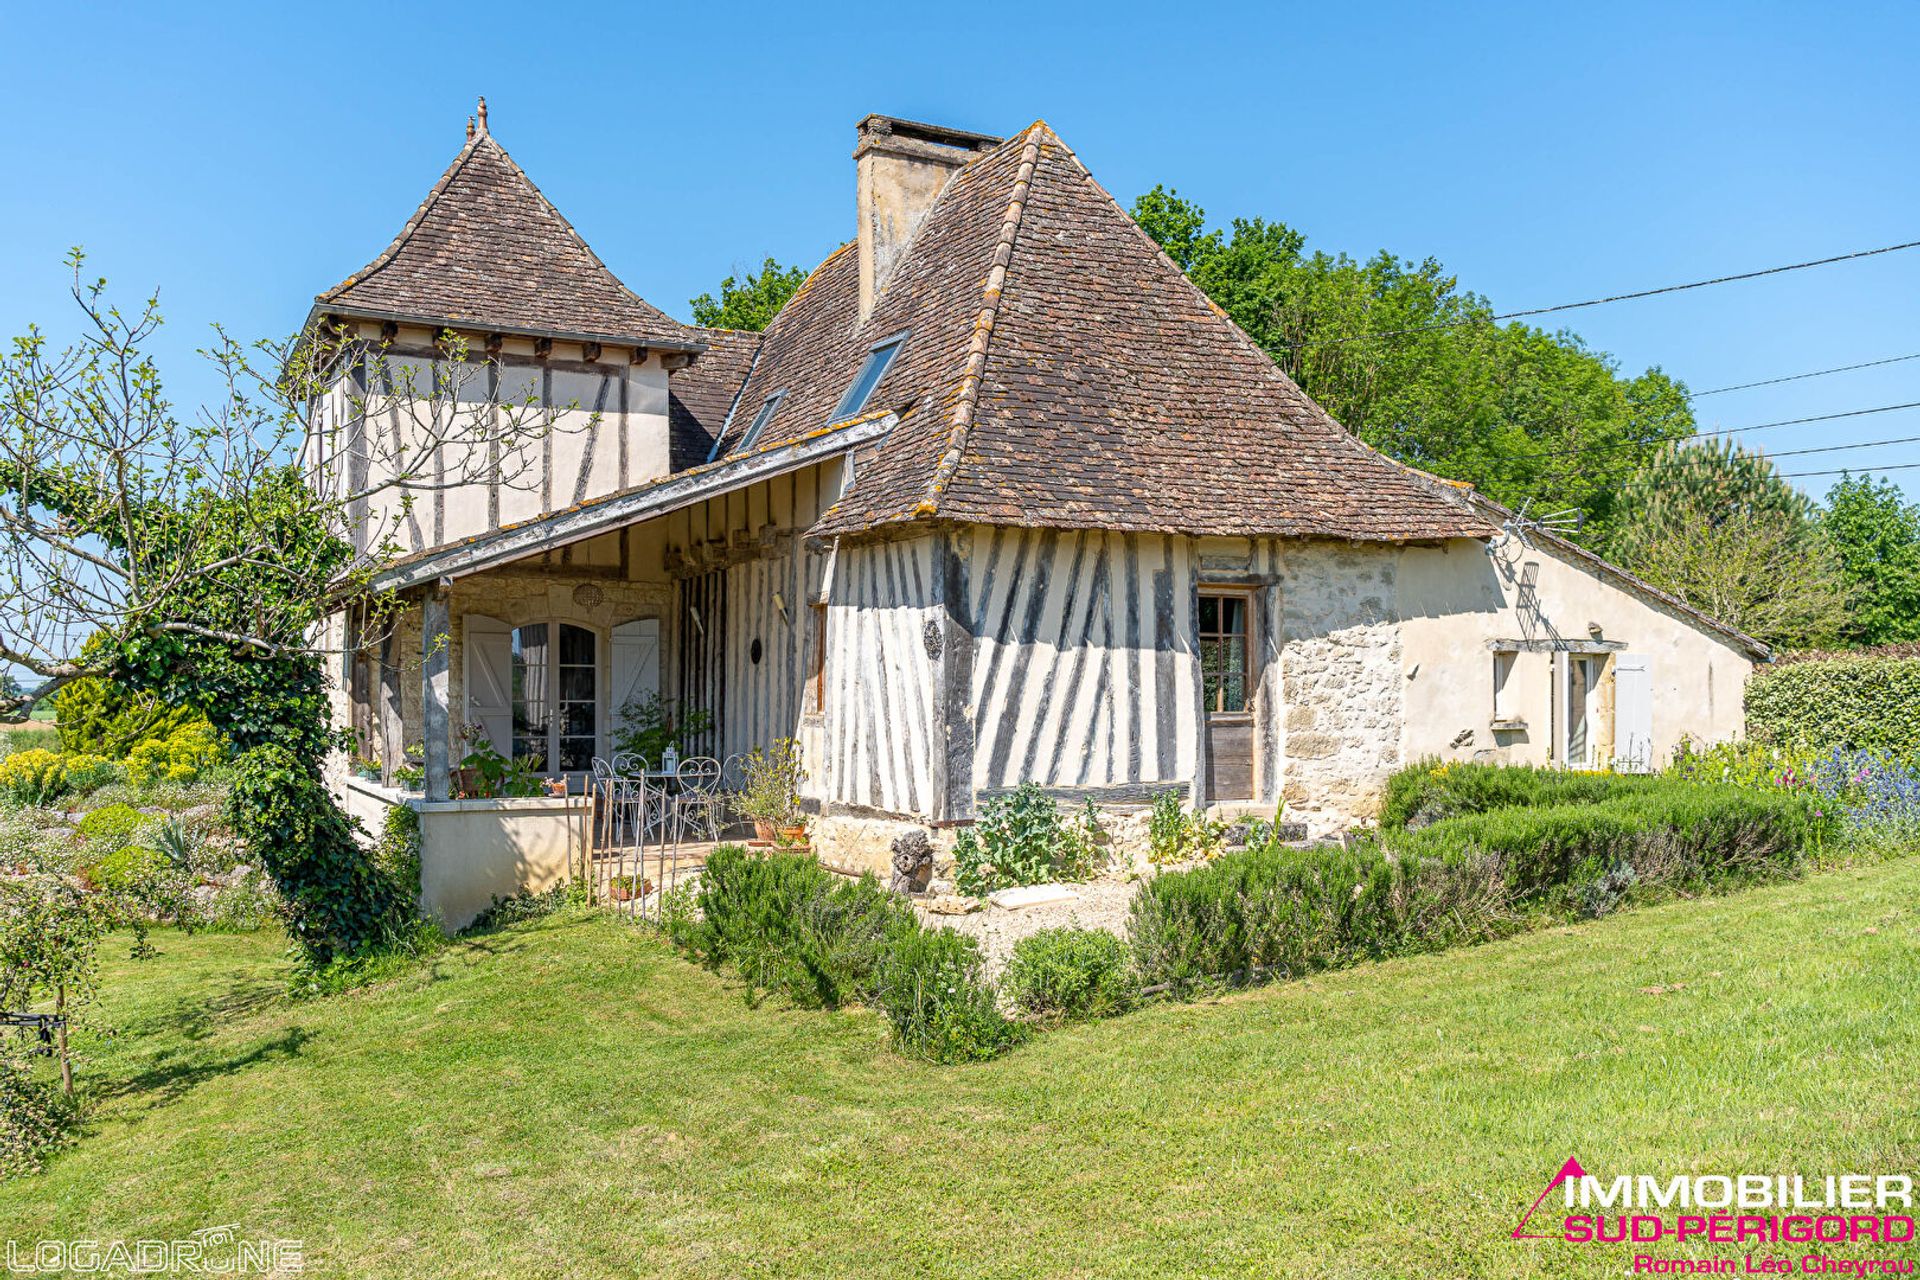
point(402, 947)
point(128, 868)
point(35, 1120)
point(1876, 535)
point(1718, 526)
point(770, 791)
point(1178, 834)
point(521, 907)
point(749, 303)
point(1491, 846)
point(1430, 790)
point(24, 738)
point(107, 718)
point(50, 931)
point(1866, 703)
point(649, 725)
point(87, 773)
point(1068, 974)
point(112, 827)
point(33, 777)
point(1518, 412)
point(941, 1007)
point(1273, 909)
point(185, 755)
point(1021, 838)
point(500, 776)
point(396, 853)
point(787, 924)
point(338, 903)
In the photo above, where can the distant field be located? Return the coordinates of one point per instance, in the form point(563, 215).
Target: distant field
point(569, 1098)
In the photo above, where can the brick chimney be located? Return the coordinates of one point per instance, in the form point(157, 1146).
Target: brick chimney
point(901, 166)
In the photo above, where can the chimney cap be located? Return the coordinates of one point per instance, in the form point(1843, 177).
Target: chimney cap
point(876, 130)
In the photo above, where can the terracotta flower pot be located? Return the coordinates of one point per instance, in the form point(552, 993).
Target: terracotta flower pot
point(793, 835)
point(623, 891)
point(763, 830)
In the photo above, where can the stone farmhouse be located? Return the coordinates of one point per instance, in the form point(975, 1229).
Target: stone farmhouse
point(998, 497)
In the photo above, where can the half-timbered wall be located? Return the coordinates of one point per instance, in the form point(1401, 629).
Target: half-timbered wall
point(1084, 672)
point(742, 560)
point(880, 683)
point(587, 427)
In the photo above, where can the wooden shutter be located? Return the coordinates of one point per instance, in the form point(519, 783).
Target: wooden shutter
point(489, 679)
point(1632, 713)
point(635, 667)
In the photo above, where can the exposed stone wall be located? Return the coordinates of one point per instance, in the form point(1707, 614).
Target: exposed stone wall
point(1340, 681)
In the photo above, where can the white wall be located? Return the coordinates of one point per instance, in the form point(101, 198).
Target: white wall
point(1456, 598)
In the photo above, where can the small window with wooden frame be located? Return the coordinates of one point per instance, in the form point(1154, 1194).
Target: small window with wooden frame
point(1225, 647)
point(817, 660)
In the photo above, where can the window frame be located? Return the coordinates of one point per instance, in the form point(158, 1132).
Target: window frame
point(816, 702)
point(768, 407)
point(1245, 635)
point(881, 354)
point(1506, 666)
point(552, 666)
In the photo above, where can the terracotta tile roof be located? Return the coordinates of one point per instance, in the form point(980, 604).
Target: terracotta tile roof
point(1063, 372)
point(701, 395)
point(486, 250)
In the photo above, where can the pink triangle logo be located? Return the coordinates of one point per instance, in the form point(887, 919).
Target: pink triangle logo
point(1571, 1169)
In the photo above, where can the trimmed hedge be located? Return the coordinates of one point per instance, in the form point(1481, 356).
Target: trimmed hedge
point(1467, 878)
point(1433, 790)
point(1844, 704)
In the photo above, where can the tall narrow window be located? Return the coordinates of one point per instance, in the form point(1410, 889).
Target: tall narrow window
point(864, 383)
point(1223, 651)
point(556, 705)
point(761, 419)
point(817, 671)
point(1505, 710)
point(532, 720)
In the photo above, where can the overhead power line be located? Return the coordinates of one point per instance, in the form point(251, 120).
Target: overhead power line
point(1795, 377)
point(1841, 448)
point(1708, 435)
point(1618, 297)
point(1842, 471)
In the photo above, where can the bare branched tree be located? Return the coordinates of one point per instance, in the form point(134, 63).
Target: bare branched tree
point(113, 506)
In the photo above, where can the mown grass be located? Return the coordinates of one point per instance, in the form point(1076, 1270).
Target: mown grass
point(570, 1098)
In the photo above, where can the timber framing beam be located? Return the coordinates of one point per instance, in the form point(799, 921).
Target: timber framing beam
point(656, 498)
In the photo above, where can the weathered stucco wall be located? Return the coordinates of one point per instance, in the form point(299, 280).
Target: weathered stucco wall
point(1457, 598)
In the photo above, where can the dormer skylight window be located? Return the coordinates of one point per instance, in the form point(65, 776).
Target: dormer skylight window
point(878, 359)
point(761, 419)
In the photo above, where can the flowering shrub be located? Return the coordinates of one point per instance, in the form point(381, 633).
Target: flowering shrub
point(183, 756)
point(1874, 793)
point(34, 776)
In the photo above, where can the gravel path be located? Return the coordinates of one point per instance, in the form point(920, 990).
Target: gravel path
point(1101, 904)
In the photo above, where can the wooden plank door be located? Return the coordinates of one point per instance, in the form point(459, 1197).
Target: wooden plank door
point(1227, 684)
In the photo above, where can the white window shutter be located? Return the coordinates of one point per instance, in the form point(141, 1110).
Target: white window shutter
point(489, 679)
point(1632, 713)
point(635, 666)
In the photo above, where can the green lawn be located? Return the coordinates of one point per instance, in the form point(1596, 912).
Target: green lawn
point(572, 1099)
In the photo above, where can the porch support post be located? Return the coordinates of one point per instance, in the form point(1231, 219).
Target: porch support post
point(435, 641)
point(952, 632)
point(1198, 794)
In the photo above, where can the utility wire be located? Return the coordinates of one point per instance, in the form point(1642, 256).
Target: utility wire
point(1840, 448)
point(1795, 377)
point(1617, 297)
point(1706, 435)
point(1800, 475)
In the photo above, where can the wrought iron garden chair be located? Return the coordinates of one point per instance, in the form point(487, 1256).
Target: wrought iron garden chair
point(700, 807)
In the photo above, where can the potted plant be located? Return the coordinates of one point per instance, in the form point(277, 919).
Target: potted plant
point(366, 767)
point(770, 795)
point(625, 888)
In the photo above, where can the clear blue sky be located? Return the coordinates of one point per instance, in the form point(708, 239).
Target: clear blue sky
point(241, 159)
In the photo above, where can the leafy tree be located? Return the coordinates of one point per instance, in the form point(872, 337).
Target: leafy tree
point(203, 554)
point(1877, 537)
point(749, 303)
point(104, 717)
point(1716, 525)
point(1420, 370)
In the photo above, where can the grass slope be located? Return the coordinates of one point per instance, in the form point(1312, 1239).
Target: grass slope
point(571, 1099)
